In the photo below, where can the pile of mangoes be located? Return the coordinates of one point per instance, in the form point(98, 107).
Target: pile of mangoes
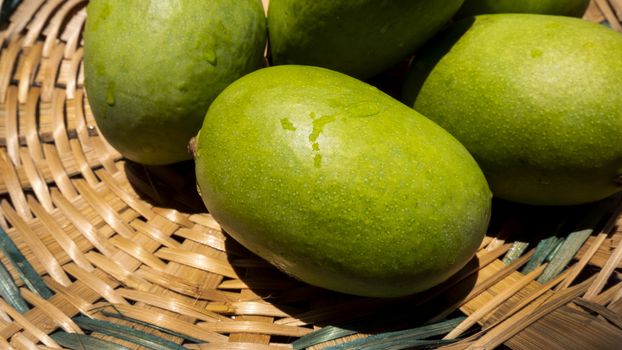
point(327, 177)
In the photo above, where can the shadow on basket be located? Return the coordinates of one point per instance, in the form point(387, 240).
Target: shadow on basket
point(349, 314)
point(172, 186)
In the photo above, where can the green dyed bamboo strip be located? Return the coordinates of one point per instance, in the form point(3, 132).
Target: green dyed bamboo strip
point(84, 342)
point(515, 252)
point(543, 250)
point(555, 250)
point(10, 292)
point(129, 334)
point(410, 338)
point(320, 336)
point(564, 254)
point(26, 272)
point(142, 323)
point(8, 7)
point(566, 250)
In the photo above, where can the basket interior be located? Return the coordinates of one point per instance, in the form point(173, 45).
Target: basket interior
point(98, 252)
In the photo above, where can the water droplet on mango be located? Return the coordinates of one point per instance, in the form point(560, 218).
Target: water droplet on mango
point(211, 57)
point(110, 99)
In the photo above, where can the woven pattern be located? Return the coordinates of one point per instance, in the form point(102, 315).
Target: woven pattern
point(100, 253)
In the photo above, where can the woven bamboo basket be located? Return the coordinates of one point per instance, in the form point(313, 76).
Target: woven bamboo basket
point(100, 253)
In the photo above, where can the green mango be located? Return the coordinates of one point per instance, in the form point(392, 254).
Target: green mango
point(152, 68)
point(575, 8)
point(357, 37)
point(338, 184)
point(536, 99)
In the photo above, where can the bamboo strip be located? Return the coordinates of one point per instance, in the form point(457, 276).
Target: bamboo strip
point(137, 252)
point(485, 285)
point(127, 333)
point(8, 127)
point(617, 296)
point(21, 342)
point(175, 303)
point(96, 284)
point(7, 171)
point(254, 327)
point(616, 5)
point(48, 72)
point(33, 142)
point(141, 207)
point(495, 302)
point(5, 344)
point(71, 297)
point(205, 220)
point(83, 165)
point(601, 310)
point(165, 320)
point(64, 241)
point(466, 342)
point(117, 271)
point(158, 229)
point(485, 242)
point(28, 70)
point(39, 249)
point(22, 16)
point(206, 238)
point(58, 172)
point(88, 230)
point(41, 18)
point(247, 308)
point(83, 342)
point(109, 215)
point(59, 127)
point(578, 267)
point(251, 337)
point(543, 289)
point(39, 185)
point(183, 286)
point(73, 70)
point(199, 261)
point(27, 325)
point(499, 334)
point(52, 311)
point(53, 28)
point(174, 216)
point(608, 12)
point(74, 27)
point(7, 62)
point(3, 224)
point(605, 273)
point(607, 296)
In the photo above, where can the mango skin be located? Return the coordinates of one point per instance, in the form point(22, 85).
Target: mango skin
point(358, 37)
point(536, 99)
point(338, 184)
point(152, 68)
point(574, 8)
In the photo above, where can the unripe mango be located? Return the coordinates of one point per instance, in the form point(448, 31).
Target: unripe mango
point(338, 184)
point(357, 37)
point(152, 68)
point(536, 99)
